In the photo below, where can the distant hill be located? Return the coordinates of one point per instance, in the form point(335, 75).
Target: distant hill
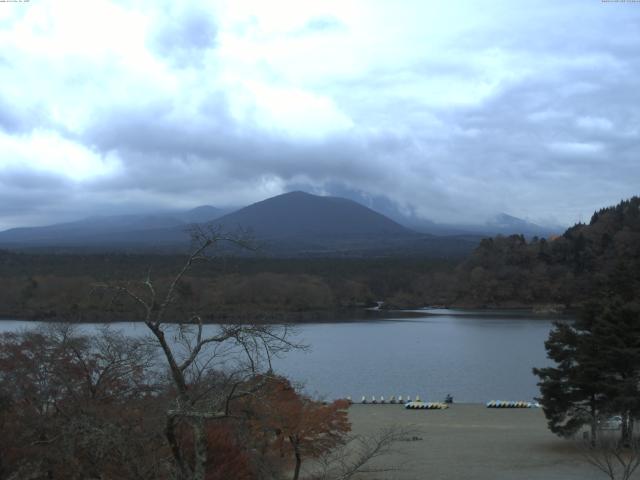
point(88, 227)
point(500, 224)
point(508, 224)
point(111, 230)
point(202, 214)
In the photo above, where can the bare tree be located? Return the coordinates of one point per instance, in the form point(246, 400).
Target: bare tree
point(615, 459)
point(360, 455)
point(197, 355)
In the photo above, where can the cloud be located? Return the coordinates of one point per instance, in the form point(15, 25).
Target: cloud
point(595, 123)
point(45, 151)
point(323, 24)
point(576, 148)
point(10, 121)
point(183, 37)
point(448, 112)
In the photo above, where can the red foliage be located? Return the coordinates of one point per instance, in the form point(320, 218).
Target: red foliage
point(75, 407)
point(71, 406)
point(226, 458)
point(294, 424)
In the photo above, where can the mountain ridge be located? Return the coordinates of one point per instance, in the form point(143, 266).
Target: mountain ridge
point(299, 213)
point(292, 224)
point(74, 231)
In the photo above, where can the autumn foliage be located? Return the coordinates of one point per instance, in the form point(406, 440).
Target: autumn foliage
point(295, 426)
point(228, 456)
point(75, 407)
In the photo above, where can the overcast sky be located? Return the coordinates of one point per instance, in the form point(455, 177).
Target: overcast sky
point(453, 111)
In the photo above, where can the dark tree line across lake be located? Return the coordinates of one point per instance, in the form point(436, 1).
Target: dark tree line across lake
point(504, 271)
point(36, 286)
point(566, 270)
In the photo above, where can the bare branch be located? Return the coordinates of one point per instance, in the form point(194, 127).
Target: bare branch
point(611, 457)
point(359, 453)
point(202, 393)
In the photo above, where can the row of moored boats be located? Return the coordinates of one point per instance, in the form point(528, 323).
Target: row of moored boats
point(418, 404)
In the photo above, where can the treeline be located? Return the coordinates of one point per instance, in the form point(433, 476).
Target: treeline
point(547, 274)
point(594, 380)
point(504, 271)
point(566, 270)
point(63, 287)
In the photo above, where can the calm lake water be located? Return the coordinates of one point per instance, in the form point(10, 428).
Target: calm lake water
point(475, 356)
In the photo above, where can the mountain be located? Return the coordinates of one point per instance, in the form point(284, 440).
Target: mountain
point(302, 224)
point(300, 214)
point(406, 215)
point(292, 224)
point(500, 224)
point(202, 214)
point(509, 225)
point(87, 227)
point(111, 229)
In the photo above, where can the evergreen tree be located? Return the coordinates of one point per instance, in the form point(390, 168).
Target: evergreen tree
point(572, 391)
point(616, 328)
point(597, 370)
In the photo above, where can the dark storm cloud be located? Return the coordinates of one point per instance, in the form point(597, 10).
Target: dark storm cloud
point(38, 198)
point(163, 152)
point(23, 178)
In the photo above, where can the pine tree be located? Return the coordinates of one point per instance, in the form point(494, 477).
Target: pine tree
point(572, 391)
point(616, 328)
point(597, 370)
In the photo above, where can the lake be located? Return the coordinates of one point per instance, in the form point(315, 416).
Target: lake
point(475, 356)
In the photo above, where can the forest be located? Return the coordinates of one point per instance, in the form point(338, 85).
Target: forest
point(45, 287)
point(565, 271)
point(556, 273)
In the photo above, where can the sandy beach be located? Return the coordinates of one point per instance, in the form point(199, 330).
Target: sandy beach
point(470, 441)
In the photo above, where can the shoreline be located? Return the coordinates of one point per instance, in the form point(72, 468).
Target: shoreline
point(350, 315)
point(321, 316)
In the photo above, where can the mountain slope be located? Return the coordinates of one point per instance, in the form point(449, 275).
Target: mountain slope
point(87, 227)
point(108, 229)
point(299, 214)
point(509, 225)
point(500, 224)
point(292, 224)
point(202, 214)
